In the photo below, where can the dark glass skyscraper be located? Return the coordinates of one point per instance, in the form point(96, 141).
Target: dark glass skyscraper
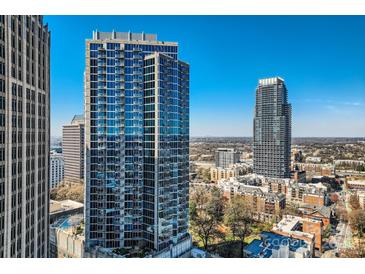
point(24, 136)
point(137, 142)
point(272, 129)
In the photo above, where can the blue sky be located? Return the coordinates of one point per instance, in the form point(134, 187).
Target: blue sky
point(322, 60)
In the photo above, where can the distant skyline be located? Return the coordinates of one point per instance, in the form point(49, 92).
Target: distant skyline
point(321, 58)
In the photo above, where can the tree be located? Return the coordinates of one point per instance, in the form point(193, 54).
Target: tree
point(206, 213)
point(68, 191)
point(327, 231)
point(238, 218)
point(341, 213)
point(357, 251)
point(360, 168)
point(206, 175)
point(357, 221)
point(354, 202)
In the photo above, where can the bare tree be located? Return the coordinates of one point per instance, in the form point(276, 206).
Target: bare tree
point(354, 202)
point(357, 251)
point(206, 213)
point(238, 219)
point(357, 221)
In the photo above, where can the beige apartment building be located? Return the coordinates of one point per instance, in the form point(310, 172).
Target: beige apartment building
point(73, 149)
point(265, 205)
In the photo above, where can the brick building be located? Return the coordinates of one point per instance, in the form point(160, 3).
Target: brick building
point(307, 229)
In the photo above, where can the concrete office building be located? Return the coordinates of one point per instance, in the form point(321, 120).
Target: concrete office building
point(24, 136)
point(56, 169)
point(225, 157)
point(272, 129)
point(137, 144)
point(73, 148)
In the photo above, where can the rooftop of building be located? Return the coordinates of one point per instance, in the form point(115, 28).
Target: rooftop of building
point(270, 81)
point(54, 153)
point(269, 241)
point(249, 185)
point(325, 211)
point(71, 224)
point(245, 180)
point(234, 166)
point(129, 37)
point(292, 225)
point(310, 189)
point(356, 181)
point(78, 119)
point(288, 223)
point(276, 180)
point(298, 171)
point(223, 149)
point(62, 206)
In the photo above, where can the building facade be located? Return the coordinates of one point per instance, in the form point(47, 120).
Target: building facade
point(24, 136)
point(315, 169)
point(225, 157)
point(137, 142)
point(56, 169)
point(265, 205)
point(73, 142)
point(272, 129)
point(301, 228)
point(67, 237)
point(217, 173)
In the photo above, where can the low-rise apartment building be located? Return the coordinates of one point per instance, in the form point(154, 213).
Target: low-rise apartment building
point(316, 169)
point(265, 205)
point(300, 228)
point(356, 183)
point(322, 213)
point(235, 170)
point(312, 194)
point(299, 176)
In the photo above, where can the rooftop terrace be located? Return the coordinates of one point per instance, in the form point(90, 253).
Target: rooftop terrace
point(271, 242)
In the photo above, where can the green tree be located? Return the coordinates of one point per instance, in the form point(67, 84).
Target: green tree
point(327, 231)
point(238, 218)
point(206, 213)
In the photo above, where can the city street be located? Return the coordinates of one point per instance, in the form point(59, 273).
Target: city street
point(341, 235)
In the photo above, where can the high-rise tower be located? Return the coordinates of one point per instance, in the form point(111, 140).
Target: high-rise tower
point(137, 142)
point(73, 146)
point(272, 129)
point(24, 136)
point(225, 157)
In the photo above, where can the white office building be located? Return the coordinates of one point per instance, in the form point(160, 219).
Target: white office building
point(56, 171)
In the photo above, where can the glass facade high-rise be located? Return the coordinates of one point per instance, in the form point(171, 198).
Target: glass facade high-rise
point(24, 136)
point(272, 129)
point(137, 142)
point(226, 157)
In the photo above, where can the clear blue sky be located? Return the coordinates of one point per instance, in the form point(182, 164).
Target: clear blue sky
point(322, 60)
